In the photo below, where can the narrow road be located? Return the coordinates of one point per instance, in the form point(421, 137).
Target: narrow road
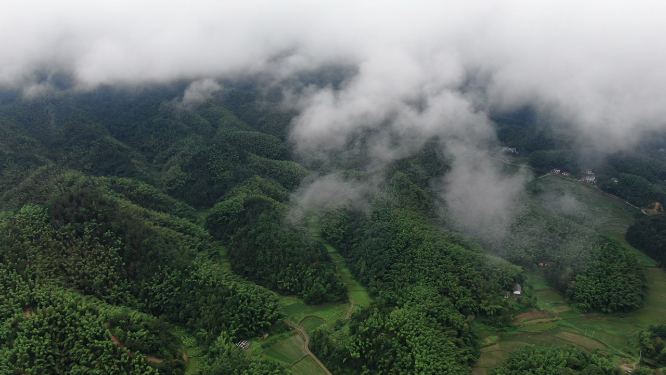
point(306, 345)
point(351, 307)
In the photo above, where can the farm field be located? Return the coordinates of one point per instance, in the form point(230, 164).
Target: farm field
point(295, 310)
point(306, 366)
point(554, 322)
point(288, 351)
point(311, 323)
point(287, 348)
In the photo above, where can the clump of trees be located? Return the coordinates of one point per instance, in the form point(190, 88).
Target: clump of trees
point(545, 161)
point(635, 189)
point(612, 281)
point(101, 251)
point(262, 247)
point(555, 360)
point(430, 285)
point(648, 234)
point(596, 272)
point(652, 343)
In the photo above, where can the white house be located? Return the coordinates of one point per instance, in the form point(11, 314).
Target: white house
point(557, 170)
point(590, 179)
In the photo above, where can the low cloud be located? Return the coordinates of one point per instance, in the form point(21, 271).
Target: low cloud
point(417, 70)
point(481, 200)
point(198, 92)
point(334, 190)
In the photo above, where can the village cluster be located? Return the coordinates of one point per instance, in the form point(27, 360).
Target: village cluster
point(589, 174)
point(590, 178)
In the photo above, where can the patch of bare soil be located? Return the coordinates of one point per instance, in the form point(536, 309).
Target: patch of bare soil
point(628, 367)
point(530, 315)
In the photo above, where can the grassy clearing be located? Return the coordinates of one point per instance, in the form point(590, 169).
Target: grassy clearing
point(549, 296)
point(357, 292)
point(538, 282)
point(295, 310)
point(560, 309)
point(201, 215)
point(492, 359)
point(190, 347)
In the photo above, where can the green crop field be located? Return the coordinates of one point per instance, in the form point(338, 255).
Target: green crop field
point(307, 366)
point(309, 324)
point(608, 332)
point(580, 340)
point(287, 351)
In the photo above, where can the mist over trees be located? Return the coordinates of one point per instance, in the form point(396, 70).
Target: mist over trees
point(136, 220)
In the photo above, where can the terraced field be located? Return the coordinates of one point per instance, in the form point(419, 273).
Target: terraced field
point(608, 214)
point(554, 322)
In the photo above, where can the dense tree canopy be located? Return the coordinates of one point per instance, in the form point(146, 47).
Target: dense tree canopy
point(649, 235)
point(99, 266)
point(448, 283)
point(133, 226)
point(530, 360)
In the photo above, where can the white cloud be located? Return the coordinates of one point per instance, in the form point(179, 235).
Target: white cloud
point(199, 91)
point(595, 66)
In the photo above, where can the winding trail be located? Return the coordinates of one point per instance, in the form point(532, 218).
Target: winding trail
point(351, 306)
point(306, 345)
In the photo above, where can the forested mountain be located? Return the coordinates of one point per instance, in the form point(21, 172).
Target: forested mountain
point(101, 250)
point(133, 222)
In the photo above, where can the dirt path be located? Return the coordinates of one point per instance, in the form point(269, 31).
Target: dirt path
point(306, 345)
point(122, 347)
point(351, 307)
